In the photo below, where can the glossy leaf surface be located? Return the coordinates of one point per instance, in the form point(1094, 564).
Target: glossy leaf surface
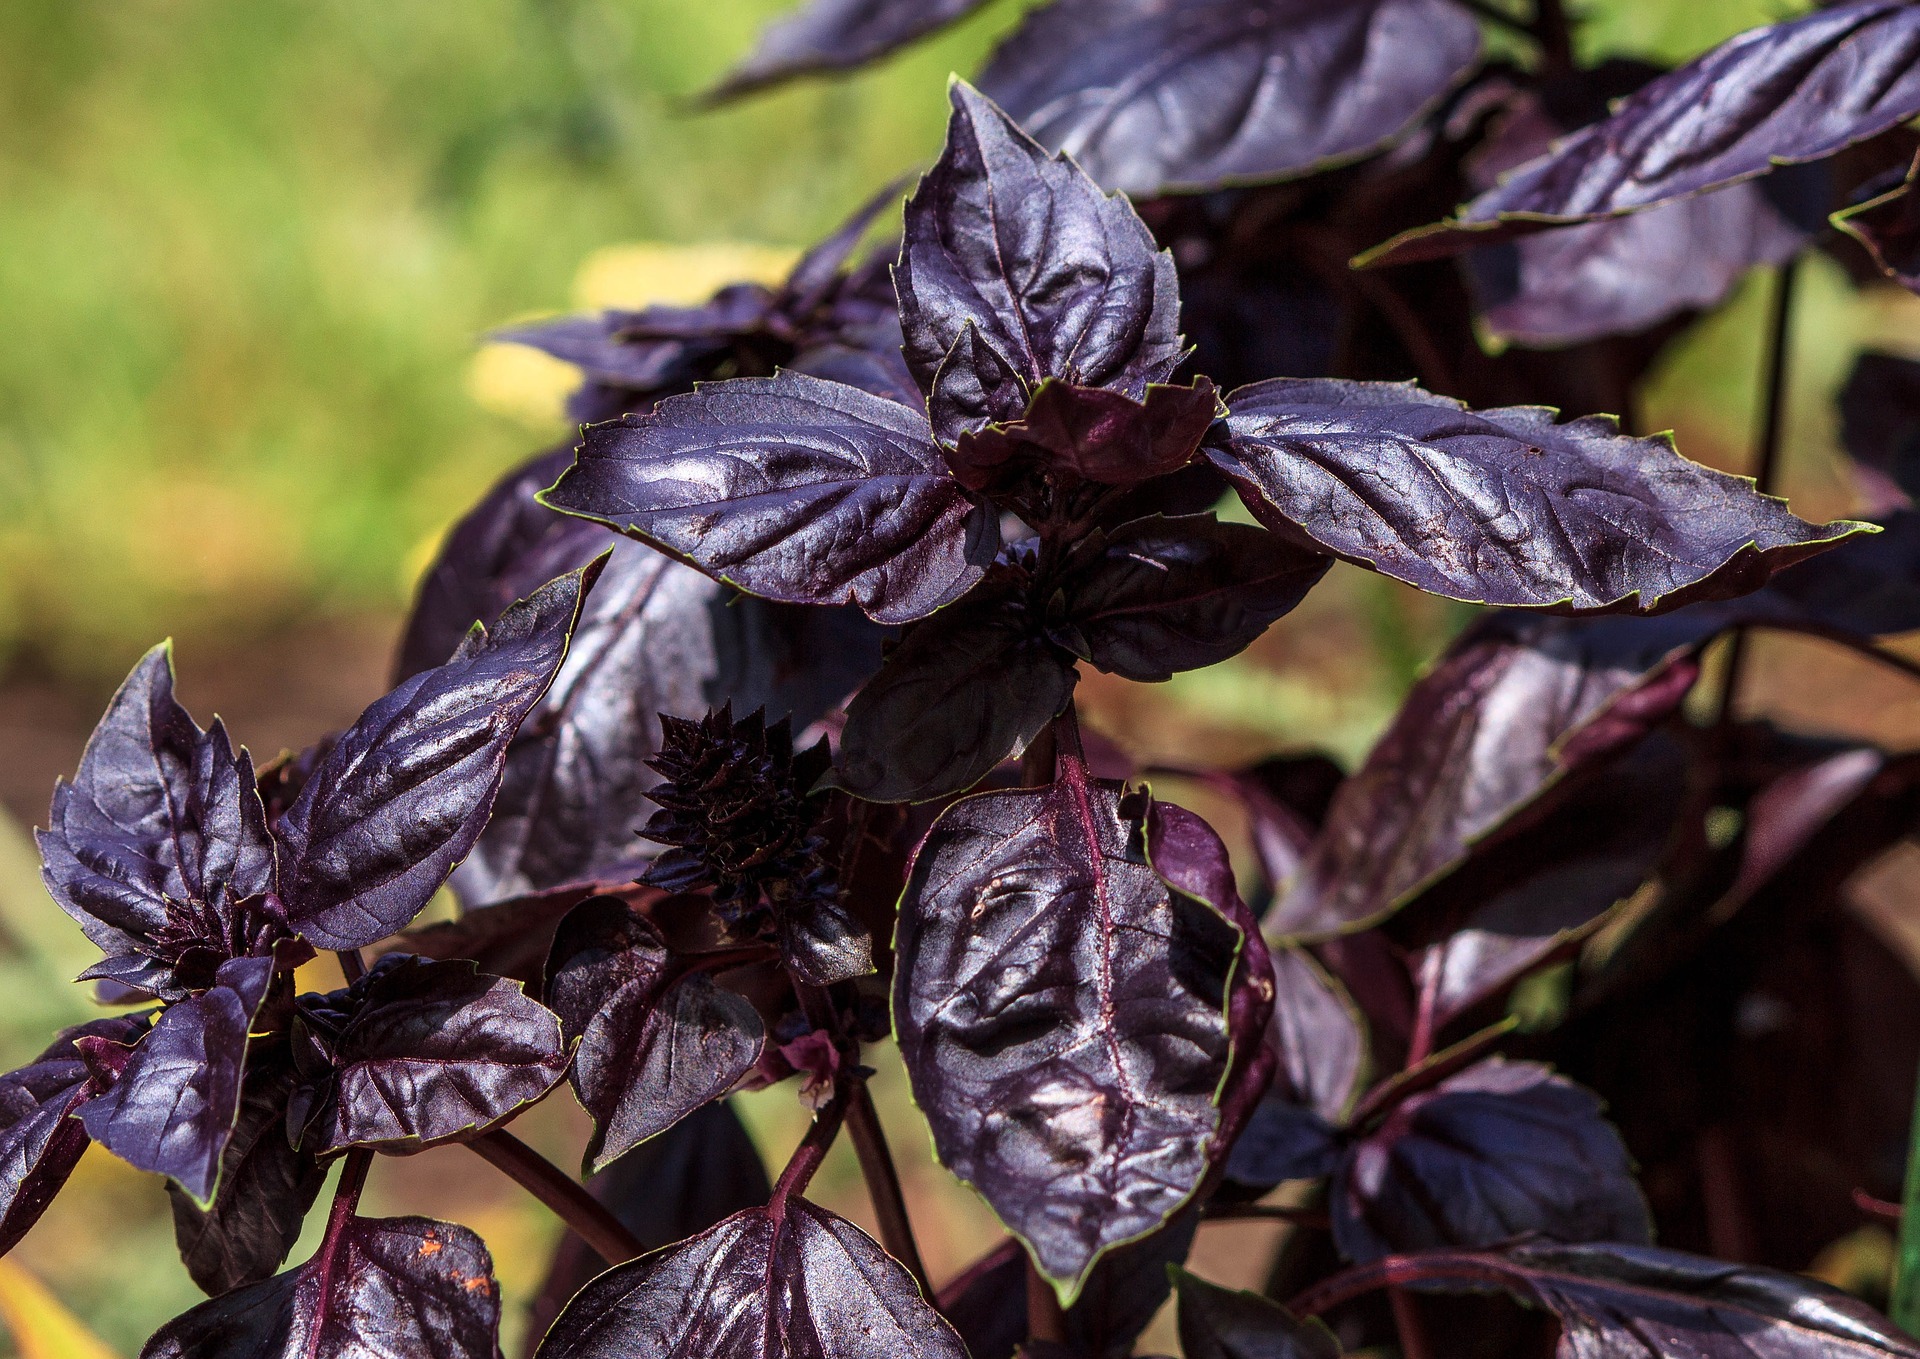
point(1796, 91)
point(1151, 97)
point(1610, 1298)
point(378, 1289)
point(266, 1188)
point(958, 695)
point(173, 1109)
point(1016, 268)
point(655, 1042)
point(1159, 595)
point(418, 1053)
point(405, 792)
point(41, 1140)
point(1499, 1150)
point(1502, 506)
point(1061, 1013)
point(792, 488)
point(837, 35)
point(790, 1281)
point(1320, 1046)
point(1220, 1323)
point(1089, 434)
point(160, 817)
point(1516, 705)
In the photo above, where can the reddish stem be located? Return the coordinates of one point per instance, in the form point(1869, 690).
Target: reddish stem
point(1412, 1327)
point(1876, 1207)
point(1046, 1318)
point(566, 1196)
point(1420, 1045)
point(812, 1150)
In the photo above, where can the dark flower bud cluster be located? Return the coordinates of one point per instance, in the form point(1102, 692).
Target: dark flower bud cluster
point(738, 812)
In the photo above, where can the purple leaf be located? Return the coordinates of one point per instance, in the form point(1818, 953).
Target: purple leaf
point(1889, 227)
point(1158, 596)
point(836, 35)
point(172, 1111)
point(1320, 1043)
point(1609, 1298)
point(791, 488)
point(656, 1041)
point(702, 1169)
point(787, 1281)
point(403, 795)
point(266, 1188)
point(419, 1052)
point(1502, 506)
point(161, 826)
point(1867, 585)
point(508, 938)
point(654, 350)
point(41, 1140)
point(1880, 424)
point(1152, 97)
point(1789, 93)
point(376, 1288)
point(654, 637)
point(1499, 1150)
point(1516, 706)
point(1219, 1323)
point(962, 692)
point(1062, 1015)
point(1075, 434)
point(1016, 268)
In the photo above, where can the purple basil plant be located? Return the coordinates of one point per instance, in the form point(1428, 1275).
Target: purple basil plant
point(744, 732)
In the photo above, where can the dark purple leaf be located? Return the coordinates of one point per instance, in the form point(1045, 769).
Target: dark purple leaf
point(787, 1281)
point(1618, 1301)
point(1016, 268)
point(654, 350)
point(1793, 92)
point(836, 35)
point(1534, 895)
point(266, 1188)
point(1062, 1015)
point(419, 1052)
point(404, 794)
point(655, 637)
point(702, 1169)
point(1320, 1042)
point(1867, 585)
point(173, 1109)
point(1880, 423)
point(1218, 1323)
point(1089, 434)
point(791, 488)
point(161, 825)
point(1502, 506)
point(1158, 596)
point(1151, 97)
point(1889, 227)
point(378, 1288)
point(1497, 1151)
point(963, 691)
point(656, 1040)
point(1514, 707)
point(509, 938)
point(41, 1140)
point(1785, 815)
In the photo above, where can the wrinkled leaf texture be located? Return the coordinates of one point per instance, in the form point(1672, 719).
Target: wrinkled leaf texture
point(1062, 1016)
point(1504, 506)
point(1518, 704)
point(792, 488)
point(379, 1288)
point(159, 814)
point(405, 792)
point(1784, 94)
point(1497, 1151)
point(1151, 97)
point(429, 1051)
point(1016, 268)
point(654, 1045)
point(1088, 434)
point(787, 1281)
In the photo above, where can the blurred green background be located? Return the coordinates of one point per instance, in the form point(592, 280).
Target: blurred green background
point(247, 251)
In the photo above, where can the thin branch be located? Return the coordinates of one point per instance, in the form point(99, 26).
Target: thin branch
point(1412, 1327)
point(567, 1197)
point(1554, 33)
point(883, 1185)
point(346, 1196)
point(1266, 1212)
point(1037, 761)
point(1766, 458)
point(1046, 1318)
point(813, 1147)
point(1420, 1045)
point(352, 965)
point(1874, 1207)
